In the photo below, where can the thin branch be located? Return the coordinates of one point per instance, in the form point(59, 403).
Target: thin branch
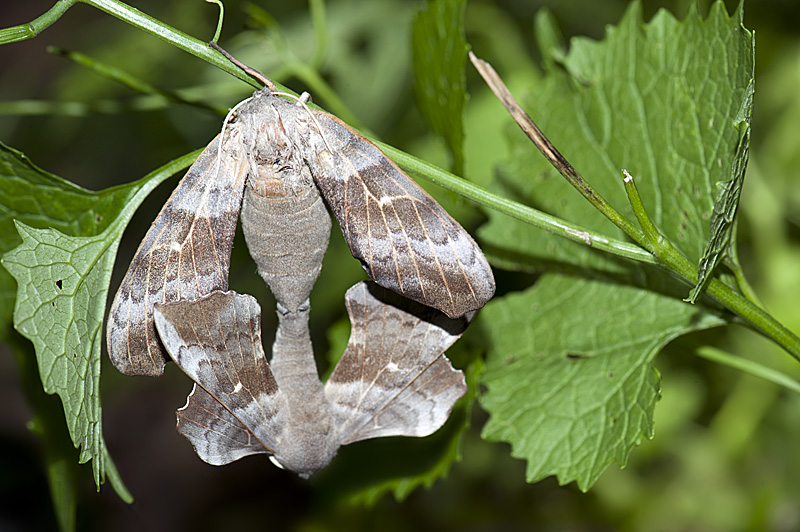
point(550, 152)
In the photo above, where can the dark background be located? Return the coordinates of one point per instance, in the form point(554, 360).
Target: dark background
point(173, 489)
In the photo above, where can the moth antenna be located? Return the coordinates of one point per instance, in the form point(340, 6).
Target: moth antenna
point(225, 124)
point(250, 70)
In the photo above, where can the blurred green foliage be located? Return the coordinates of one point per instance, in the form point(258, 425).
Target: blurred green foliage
point(724, 453)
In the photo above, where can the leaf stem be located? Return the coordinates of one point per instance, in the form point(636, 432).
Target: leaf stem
point(219, 21)
point(320, 23)
point(732, 262)
point(673, 259)
point(754, 315)
point(32, 29)
point(58, 454)
point(513, 209)
point(651, 233)
point(669, 256)
point(133, 83)
point(748, 366)
point(321, 89)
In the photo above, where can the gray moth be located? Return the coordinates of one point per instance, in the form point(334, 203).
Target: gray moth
point(392, 380)
point(282, 159)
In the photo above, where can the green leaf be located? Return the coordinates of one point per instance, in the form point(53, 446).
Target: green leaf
point(40, 199)
point(439, 53)
point(62, 274)
point(63, 284)
point(659, 99)
point(574, 387)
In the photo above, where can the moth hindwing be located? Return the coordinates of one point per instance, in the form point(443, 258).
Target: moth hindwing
point(393, 379)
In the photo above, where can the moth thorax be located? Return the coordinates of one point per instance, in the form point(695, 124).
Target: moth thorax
point(287, 236)
point(269, 187)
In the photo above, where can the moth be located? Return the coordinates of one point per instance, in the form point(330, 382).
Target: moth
point(284, 158)
point(392, 380)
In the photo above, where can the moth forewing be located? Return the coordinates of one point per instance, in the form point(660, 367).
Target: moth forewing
point(185, 255)
point(404, 239)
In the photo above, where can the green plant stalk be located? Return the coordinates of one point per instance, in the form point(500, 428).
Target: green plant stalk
point(58, 455)
point(735, 266)
point(513, 209)
point(307, 72)
point(133, 83)
point(651, 232)
point(320, 23)
point(748, 366)
point(321, 89)
point(135, 18)
point(147, 102)
point(219, 21)
point(669, 256)
point(32, 29)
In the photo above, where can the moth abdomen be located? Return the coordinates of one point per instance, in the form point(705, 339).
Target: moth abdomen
point(287, 238)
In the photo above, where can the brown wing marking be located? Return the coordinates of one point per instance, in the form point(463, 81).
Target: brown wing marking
point(185, 254)
point(216, 341)
point(217, 436)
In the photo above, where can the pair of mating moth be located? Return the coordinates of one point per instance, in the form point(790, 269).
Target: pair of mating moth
point(278, 163)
